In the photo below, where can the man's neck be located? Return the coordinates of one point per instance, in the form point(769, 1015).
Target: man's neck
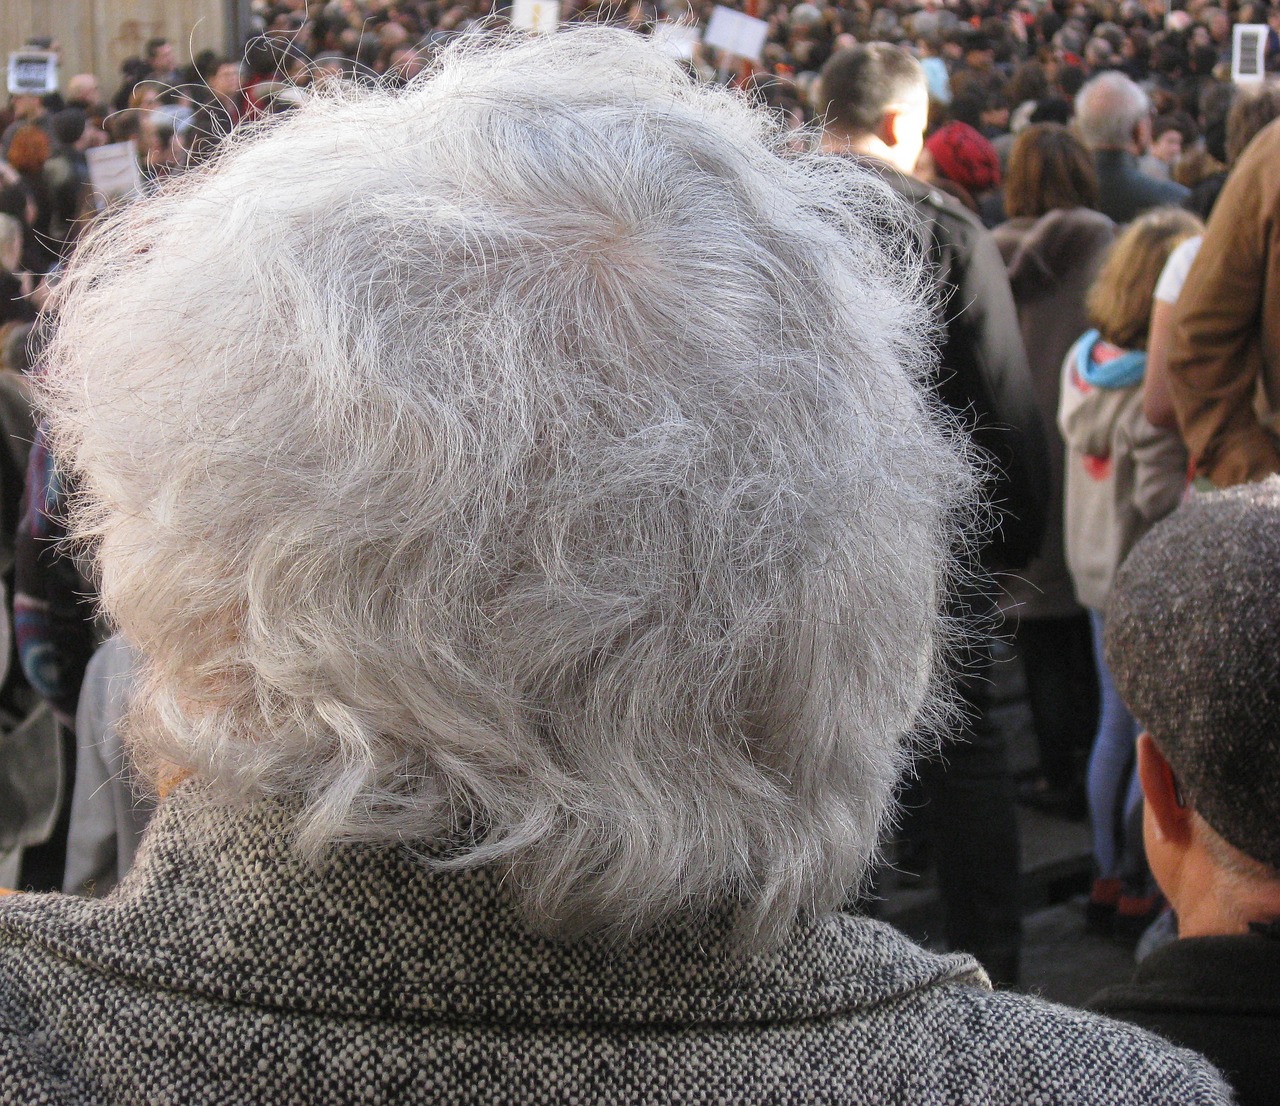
point(1216, 903)
point(850, 142)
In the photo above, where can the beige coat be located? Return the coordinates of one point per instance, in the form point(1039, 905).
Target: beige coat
point(1122, 476)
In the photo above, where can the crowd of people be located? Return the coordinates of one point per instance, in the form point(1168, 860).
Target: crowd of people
point(573, 508)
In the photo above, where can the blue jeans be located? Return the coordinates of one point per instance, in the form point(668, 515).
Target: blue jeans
point(1115, 793)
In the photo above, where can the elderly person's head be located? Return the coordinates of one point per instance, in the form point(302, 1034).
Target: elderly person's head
point(545, 479)
point(1113, 113)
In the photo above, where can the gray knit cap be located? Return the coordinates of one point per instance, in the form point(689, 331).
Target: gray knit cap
point(1193, 642)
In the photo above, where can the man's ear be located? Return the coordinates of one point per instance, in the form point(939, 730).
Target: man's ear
point(1141, 137)
point(1169, 815)
point(891, 124)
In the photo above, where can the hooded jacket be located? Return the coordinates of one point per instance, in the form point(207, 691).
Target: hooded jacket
point(1122, 474)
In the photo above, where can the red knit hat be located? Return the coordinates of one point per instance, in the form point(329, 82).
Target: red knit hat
point(962, 155)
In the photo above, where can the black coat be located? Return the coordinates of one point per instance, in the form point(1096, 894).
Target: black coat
point(983, 374)
point(1217, 995)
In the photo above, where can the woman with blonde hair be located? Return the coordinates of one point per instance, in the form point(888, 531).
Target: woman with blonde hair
point(1122, 475)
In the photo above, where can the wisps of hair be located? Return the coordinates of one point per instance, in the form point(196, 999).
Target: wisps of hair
point(530, 466)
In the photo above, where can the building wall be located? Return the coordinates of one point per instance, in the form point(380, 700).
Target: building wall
point(97, 35)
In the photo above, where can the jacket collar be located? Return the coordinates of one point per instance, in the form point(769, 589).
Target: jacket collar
point(221, 905)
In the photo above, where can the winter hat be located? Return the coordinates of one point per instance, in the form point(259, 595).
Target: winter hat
point(962, 155)
point(1193, 642)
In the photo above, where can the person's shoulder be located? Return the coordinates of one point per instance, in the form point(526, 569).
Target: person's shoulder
point(1170, 190)
point(28, 1071)
point(1074, 1055)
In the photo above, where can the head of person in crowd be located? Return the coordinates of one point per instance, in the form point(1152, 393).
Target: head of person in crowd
point(1253, 107)
point(83, 92)
point(69, 126)
point(1113, 113)
point(18, 200)
point(1193, 640)
point(29, 149)
point(160, 58)
point(469, 537)
point(1167, 139)
point(1119, 301)
point(874, 99)
point(226, 81)
point(957, 153)
point(25, 106)
point(1049, 170)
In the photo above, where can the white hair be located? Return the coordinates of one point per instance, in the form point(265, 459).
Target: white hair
point(530, 466)
point(1107, 110)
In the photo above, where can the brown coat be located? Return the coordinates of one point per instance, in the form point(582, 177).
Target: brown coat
point(1227, 327)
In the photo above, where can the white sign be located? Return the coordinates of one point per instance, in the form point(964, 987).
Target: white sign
point(536, 16)
point(32, 73)
point(736, 33)
point(1248, 52)
point(113, 172)
point(676, 40)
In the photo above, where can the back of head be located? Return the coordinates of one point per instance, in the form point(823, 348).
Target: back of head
point(68, 125)
point(857, 86)
point(1108, 108)
point(29, 149)
point(548, 480)
point(1251, 110)
point(1049, 169)
point(1193, 640)
point(963, 155)
point(1119, 301)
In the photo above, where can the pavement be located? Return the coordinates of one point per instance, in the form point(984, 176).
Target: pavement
point(1060, 960)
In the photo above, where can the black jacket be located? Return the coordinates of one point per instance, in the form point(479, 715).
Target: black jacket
point(1217, 995)
point(983, 374)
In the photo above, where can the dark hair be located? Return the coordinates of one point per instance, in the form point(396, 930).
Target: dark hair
point(154, 44)
point(1178, 121)
point(14, 199)
point(1027, 83)
point(857, 86)
point(1071, 80)
point(1049, 168)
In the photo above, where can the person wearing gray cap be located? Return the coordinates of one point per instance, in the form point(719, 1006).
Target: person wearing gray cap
point(1193, 641)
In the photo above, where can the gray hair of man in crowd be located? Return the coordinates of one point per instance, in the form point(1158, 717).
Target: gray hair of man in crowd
point(1108, 110)
point(531, 466)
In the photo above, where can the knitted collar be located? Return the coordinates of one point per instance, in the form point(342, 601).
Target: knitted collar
point(220, 904)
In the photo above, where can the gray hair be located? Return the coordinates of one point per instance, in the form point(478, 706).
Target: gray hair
point(532, 467)
point(1108, 108)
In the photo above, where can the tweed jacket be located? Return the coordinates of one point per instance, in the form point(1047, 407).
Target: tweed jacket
point(1218, 995)
point(224, 969)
